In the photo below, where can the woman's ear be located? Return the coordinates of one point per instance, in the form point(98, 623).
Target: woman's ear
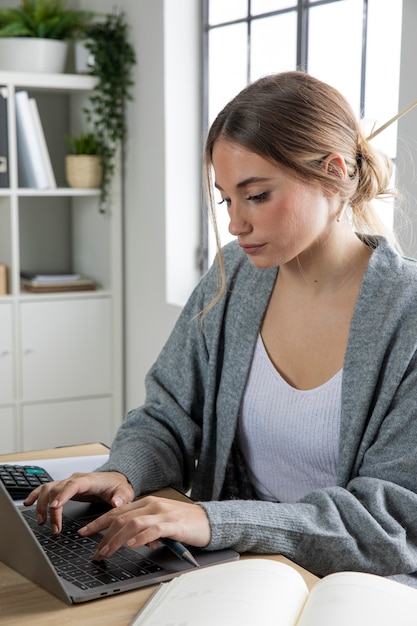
point(334, 164)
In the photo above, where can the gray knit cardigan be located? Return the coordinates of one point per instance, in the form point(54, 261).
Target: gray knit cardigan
point(184, 434)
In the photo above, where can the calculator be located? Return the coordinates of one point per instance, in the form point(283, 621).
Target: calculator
point(20, 480)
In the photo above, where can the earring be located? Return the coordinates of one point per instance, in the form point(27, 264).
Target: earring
point(339, 217)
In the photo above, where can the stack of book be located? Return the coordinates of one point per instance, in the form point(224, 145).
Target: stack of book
point(50, 283)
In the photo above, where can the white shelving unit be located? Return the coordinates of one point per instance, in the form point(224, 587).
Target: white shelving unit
point(61, 354)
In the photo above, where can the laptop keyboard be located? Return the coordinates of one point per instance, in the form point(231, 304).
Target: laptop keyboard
point(71, 555)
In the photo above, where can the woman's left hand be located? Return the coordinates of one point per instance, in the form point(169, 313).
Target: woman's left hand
point(145, 521)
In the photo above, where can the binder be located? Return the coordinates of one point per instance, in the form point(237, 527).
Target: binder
point(31, 166)
point(42, 144)
point(4, 139)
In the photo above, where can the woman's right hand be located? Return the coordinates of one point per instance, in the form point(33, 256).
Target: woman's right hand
point(111, 487)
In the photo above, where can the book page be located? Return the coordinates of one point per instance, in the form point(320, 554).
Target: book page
point(348, 598)
point(241, 593)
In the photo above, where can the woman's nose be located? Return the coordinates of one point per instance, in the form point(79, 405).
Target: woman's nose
point(238, 224)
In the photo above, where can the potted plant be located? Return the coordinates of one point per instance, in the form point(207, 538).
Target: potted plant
point(113, 59)
point(83, 164)
point(34, 36)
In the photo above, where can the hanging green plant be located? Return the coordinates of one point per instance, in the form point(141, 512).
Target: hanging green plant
point(113, 58)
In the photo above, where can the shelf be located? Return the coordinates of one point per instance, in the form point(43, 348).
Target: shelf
point(61, 348)
point(55, 82)
point(64, 295)
point(59, 191)
point(23, 296)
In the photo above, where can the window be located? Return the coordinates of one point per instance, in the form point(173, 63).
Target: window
point(352, 44)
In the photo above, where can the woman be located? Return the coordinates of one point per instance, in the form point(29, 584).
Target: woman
point(286, 398)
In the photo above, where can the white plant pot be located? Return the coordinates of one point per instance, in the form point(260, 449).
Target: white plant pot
point(83, 58)
point(33, 54)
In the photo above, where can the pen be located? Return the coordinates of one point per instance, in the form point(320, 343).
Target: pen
point(179, 550)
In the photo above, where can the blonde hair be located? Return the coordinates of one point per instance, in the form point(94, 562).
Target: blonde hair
point(296, 120)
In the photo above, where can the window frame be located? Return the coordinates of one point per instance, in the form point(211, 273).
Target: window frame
point(303, 10)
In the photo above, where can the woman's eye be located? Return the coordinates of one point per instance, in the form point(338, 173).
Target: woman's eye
point(261, 197)
point(224, 201)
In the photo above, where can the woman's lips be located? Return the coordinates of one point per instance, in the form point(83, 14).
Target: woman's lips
point(252, 248)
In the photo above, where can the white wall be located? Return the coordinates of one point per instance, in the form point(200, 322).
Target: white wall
point(149, 318)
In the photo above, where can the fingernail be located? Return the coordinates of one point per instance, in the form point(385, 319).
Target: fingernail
point(118, 502)
point(82, 530)
point(99, 554)
point(40, 520)
point(54, 529)
point(54, 503)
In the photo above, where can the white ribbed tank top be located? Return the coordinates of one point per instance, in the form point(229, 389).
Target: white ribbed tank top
point(289, 437)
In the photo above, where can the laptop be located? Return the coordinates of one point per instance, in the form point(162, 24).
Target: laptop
point(62, 564)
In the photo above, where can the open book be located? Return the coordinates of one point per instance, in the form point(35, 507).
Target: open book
point(262, 591)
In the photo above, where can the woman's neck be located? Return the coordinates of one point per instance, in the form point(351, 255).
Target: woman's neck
point(329, 265)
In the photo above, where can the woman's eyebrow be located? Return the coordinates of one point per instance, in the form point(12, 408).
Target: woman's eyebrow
point(246, 182)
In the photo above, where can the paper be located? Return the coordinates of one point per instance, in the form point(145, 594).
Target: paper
point(63, 467)
point(362, 600)
point(254, 591)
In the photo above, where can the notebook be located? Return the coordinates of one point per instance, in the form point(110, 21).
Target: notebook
point(69, 572)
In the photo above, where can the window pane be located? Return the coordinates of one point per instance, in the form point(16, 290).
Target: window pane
point(382, 70)
point(258, 7)
point(273, 44)
point(335, 47)
point(226, 11)
point(227, 65)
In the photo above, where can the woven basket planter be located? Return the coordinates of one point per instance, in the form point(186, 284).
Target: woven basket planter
point(83, 170)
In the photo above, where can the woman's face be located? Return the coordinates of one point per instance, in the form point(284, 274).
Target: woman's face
point(274, 216)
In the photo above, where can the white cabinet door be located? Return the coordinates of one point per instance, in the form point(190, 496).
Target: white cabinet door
point(67, 423)
point(7, 430)
point(6, 353)
point(66, 348)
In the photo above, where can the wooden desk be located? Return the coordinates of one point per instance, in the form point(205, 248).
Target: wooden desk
point(22, 602)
